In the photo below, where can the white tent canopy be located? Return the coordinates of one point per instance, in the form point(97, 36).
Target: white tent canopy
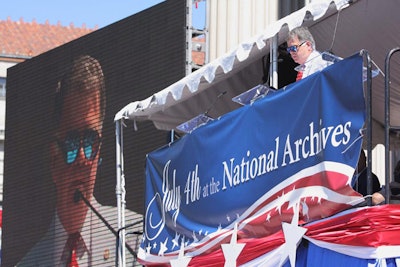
point(343, 27)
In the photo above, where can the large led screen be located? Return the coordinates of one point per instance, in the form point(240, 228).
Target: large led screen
point(60, 170)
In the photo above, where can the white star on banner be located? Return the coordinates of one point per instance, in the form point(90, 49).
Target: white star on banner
point(280, 201)
point(293, 235)
point(175, 241)
point(232, 250)
point(163, 247)
point(304, 209)
point(148, 248)
point(195, 239)
point(268, 217)
point(181, 261)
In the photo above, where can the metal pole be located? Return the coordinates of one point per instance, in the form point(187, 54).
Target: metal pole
point(189, 35)
point(120, 193)
point(274, 62)
point(387, 123)
point(369, 124)
point(206, 32)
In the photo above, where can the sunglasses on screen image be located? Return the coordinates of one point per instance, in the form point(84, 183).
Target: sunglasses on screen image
point(89, 141)
point(294, 48)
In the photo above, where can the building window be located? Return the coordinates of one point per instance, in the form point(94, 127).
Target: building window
point(2, 87)
point(286, 7)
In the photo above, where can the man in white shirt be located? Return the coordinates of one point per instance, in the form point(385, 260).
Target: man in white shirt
point(301, 47)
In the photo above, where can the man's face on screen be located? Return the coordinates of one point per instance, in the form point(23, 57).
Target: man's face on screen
point(75, 157)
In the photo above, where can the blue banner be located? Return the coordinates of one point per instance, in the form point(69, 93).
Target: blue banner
point(251, 169)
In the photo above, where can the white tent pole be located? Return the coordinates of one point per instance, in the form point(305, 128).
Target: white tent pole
point(120, 193)
point(274, 62)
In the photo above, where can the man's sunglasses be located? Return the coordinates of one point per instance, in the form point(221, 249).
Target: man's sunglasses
point(73, 141)
point(294, 48)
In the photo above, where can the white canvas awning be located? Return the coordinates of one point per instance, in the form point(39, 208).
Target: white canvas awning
point(343, 27)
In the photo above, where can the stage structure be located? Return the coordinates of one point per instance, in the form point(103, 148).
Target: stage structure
point(277, 168)
point(209, 91)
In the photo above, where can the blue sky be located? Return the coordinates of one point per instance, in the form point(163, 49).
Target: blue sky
point(89, 12)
